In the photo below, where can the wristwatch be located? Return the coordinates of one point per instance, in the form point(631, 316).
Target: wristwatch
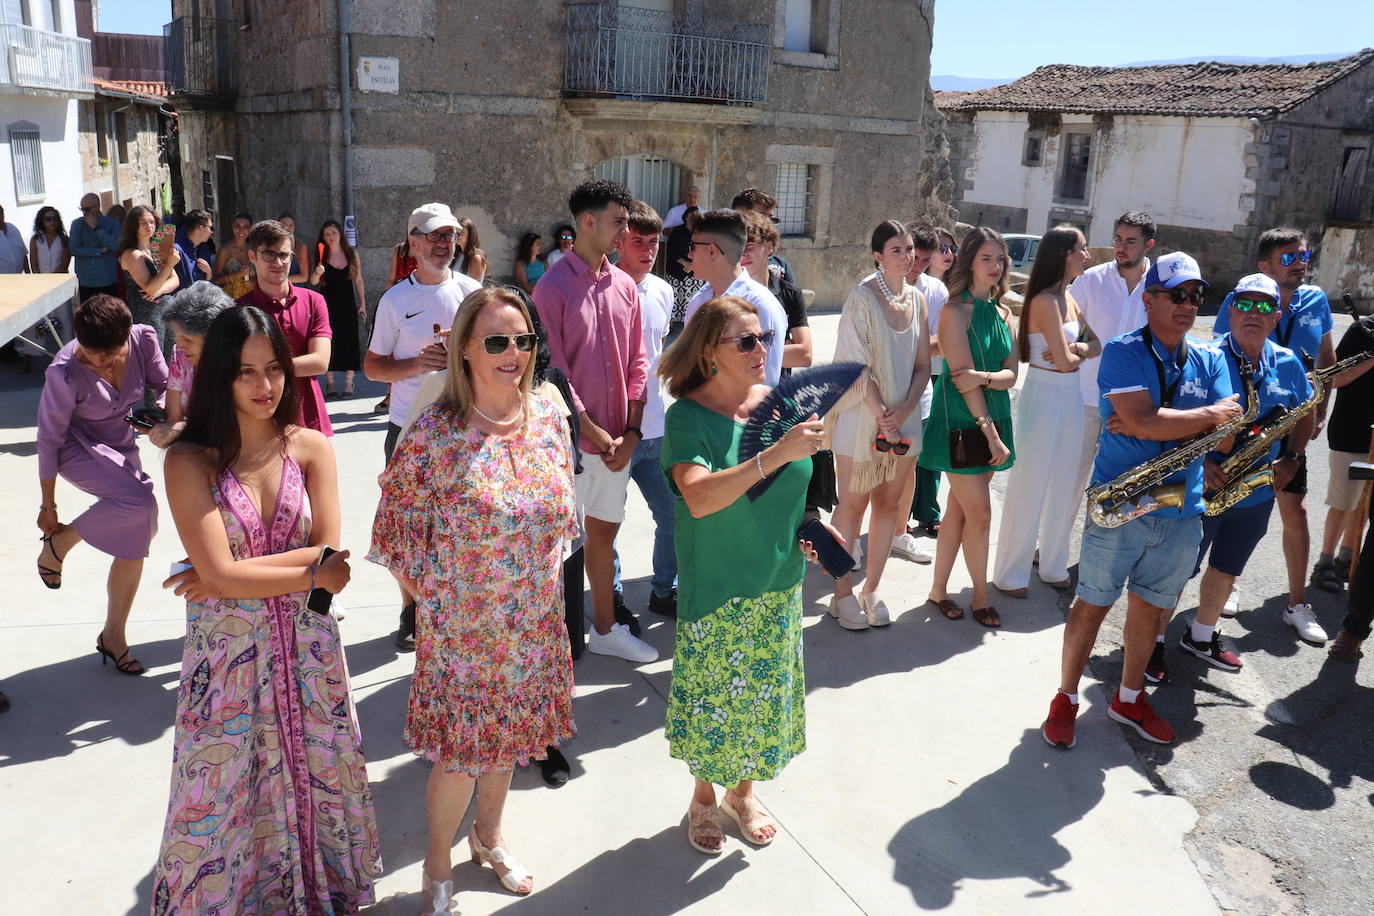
point(1291, 455)
point(634, 429)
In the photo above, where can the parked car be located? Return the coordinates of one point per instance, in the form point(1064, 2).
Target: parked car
point(1022, 249)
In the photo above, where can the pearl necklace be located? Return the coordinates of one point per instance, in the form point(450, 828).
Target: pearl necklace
point(887, 291)
point(519, 415)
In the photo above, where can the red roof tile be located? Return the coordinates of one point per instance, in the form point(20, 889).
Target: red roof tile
point(155, 92)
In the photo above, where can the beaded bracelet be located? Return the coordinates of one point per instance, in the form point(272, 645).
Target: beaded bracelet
point(758, 463)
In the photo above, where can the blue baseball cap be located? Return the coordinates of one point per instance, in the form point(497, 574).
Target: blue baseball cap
point(1172, 269)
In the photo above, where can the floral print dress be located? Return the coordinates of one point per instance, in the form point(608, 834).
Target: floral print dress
point(480, 522)
point(270, 807)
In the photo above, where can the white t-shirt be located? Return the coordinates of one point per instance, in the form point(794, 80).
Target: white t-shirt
point(1110, 310)
point(772, 317)
point(936, 295)
point(675, 217)
point(404, 326)
point(552, 258)
point(13, 251)
point(656, 311)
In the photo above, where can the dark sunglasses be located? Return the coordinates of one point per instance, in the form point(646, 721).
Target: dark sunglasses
point(566, 238)
point(949, 249)
point(882, 444)
point(497, 343)
point(747, 342)
point(1288, 257)
point(95, 209)
point(1178, 296)
point(1263, 306)
point(49, 219)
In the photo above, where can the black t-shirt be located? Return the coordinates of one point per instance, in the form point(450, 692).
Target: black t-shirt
point(1347, 430)
point(793, 302)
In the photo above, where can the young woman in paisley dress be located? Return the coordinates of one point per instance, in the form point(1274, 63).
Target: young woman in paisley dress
point(477, 510)
point(270, 808)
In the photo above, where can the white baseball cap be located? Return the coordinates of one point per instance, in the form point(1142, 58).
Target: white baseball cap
point(1258, 283)
point(431, 217)
point(1172, 269)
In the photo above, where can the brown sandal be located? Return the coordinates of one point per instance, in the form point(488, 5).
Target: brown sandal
point(948, 608)
point(703, 826)
point(987, 616)
point(1346, 648)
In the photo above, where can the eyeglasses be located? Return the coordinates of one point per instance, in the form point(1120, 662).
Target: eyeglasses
point(1178, 296)
point(565, 238)
point(1288, 257)
point(882, 444)
point(1263, 306)
point(747, 342)
point(949, 249)
point(497, 343)
point(691, 245)
point(438, 236)
point(776, 220)
point(274, 257)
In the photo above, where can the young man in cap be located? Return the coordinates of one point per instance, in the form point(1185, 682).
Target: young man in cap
point(1305, 328)
point(404, 346)
point(1157, 389)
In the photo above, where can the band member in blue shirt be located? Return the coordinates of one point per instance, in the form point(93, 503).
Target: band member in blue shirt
point(1157, 388)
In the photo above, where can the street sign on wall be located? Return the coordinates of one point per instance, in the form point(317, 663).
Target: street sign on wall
point(379, 74)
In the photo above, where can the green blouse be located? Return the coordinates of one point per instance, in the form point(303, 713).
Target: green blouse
point(745, 550)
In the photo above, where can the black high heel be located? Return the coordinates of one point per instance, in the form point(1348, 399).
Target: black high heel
point(131, 667)
point(52, 578)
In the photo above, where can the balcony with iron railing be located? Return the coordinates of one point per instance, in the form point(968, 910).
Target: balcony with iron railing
point(200, 58)
point(42, 62)
point(646, 55)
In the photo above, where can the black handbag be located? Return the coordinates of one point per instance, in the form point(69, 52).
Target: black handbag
point(968, 448)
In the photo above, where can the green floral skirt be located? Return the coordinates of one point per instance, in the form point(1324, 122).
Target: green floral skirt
point(737, 704)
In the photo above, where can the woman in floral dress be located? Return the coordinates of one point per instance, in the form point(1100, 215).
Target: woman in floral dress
point(270, 808)
point(476, 511)
point(736, 706)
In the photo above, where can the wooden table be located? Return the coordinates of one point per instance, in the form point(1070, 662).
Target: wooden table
point(26, 299)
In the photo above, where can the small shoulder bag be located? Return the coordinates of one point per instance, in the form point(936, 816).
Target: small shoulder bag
point(968, 448)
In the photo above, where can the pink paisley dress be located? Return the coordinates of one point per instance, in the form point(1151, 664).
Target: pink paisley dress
point(270, 807)
point(480, 522)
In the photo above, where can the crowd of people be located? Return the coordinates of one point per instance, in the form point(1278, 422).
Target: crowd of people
point(517, 417)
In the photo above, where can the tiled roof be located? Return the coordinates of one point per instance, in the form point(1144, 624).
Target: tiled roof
point(1205, 89)
point(152, 92)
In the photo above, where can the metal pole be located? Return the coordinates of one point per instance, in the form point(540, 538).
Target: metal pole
point(346, 115)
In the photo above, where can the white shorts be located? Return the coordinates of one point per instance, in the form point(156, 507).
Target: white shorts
point(601, 492)
point(1342, 492)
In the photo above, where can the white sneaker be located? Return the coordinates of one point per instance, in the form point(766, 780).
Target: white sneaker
point(908, 548)
point(1232, 606)
point(622, 644)
point(1301, 618)
point(848, 612)
point(874, 609)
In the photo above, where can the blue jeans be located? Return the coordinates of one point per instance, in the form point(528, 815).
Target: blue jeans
point(653, 485)
point(1154, 554)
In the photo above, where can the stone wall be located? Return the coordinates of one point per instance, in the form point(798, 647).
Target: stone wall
point(142, 174)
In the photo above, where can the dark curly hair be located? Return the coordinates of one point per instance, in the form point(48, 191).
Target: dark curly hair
point(597, 194)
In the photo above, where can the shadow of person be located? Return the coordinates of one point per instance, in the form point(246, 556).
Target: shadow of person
point(1327, 722)
point(373, 653)
point(63, 707)
point(990, 832)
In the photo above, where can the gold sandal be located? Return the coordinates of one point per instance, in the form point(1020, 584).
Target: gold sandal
point(516, 874)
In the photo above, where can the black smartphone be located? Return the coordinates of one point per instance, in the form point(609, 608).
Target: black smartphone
point(834, 558)
point(321, 598)
point(146, 417)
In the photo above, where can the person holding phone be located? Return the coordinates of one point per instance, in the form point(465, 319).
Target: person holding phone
point(738, 645)
point(269, 788)
point(84, 436)
point(144, 282)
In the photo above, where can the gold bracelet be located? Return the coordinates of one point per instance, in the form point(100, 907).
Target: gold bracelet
point(983, 422)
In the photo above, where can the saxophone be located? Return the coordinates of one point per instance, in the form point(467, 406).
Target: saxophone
point(1142, 490)
point(1248, 468)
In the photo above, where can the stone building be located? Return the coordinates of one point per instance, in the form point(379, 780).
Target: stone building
point(499, 109)
point(123, 137)
point(1216, 152)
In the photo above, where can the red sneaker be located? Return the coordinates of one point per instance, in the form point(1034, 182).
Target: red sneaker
point(1142, 718)
point(1058, 728)
point(1211, 652)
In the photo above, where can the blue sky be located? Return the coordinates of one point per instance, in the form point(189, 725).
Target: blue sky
point(1000, 38)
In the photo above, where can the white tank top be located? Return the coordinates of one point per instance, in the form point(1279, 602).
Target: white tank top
point(1038, 346)
point(49, 256)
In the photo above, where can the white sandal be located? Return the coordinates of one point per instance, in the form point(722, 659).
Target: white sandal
point(516, 874)
point(436, 897)
point(749, 819)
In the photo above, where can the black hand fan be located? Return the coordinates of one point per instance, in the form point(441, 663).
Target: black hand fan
point(791, 401)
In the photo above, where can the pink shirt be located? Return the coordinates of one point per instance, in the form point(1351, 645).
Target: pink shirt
point(593, 322)
point(301, 316)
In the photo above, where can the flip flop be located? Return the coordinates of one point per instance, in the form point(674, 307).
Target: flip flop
point(987, 617)
point(948, 608)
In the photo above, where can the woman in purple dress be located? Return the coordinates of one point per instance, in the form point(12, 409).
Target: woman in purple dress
point(270, 809)
point(82, 435)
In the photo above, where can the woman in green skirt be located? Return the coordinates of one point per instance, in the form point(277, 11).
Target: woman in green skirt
point(971, 397)
point(736, 707)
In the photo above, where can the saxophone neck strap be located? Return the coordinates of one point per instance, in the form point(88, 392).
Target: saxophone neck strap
point(1166, 392)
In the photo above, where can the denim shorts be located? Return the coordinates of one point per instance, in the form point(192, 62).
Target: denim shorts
point(1155, 555)
point(1233, 536)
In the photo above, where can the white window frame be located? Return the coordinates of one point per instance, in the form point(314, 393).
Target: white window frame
point(26, 140)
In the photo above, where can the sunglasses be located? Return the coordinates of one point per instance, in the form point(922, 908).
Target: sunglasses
point(882, 444)
point(565, 238)
point(1179, 296)
point(496, 344)
point(1288, 257)
point(949, 249)
point(747, 342)
point(1263, 306)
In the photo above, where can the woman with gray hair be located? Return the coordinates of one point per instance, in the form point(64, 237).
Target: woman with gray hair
point(187, 316)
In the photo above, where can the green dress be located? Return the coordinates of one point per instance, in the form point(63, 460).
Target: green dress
point(990, 342)
point(736, 705)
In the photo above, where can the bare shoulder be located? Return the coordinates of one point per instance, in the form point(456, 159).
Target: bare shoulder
point(307, 445)
point(189, 460)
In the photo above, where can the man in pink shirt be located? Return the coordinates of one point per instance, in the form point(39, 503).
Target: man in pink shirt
point(300, 313)
point(590, 310)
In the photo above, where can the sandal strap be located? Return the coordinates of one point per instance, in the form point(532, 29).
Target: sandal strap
point(703, 821)
point(515, 872)
point(751, 814)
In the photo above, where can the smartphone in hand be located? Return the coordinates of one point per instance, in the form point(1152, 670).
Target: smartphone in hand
point(834, 558)
point(320, 598)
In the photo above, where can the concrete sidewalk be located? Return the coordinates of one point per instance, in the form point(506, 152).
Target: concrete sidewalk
point(925, 785)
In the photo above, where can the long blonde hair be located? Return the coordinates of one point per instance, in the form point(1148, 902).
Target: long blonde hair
point(686, 365)
point(458, 395)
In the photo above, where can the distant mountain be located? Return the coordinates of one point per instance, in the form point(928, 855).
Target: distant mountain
point(1236, 59)
point(948, 83)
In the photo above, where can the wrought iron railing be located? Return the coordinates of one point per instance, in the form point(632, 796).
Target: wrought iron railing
point(200, 57)
point(646, 54)
point(38, 59)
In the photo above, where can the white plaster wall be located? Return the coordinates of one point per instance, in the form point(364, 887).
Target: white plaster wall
point(57, 126)
point(1185, 171)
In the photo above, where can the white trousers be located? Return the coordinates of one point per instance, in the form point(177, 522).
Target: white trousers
point(1043, 495)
